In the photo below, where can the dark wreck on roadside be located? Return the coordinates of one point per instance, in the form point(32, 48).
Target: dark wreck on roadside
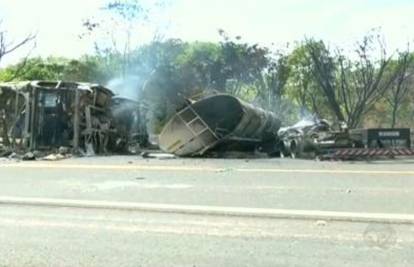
point(47, 115)
point(218, 123)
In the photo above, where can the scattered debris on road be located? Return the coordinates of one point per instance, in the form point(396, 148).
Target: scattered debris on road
point(29, 156)
point(54, 157)
point(321, 223)
point(157, 155)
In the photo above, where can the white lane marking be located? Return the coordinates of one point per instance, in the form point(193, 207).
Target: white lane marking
point(109, 185)
point(194, 168)
point(84, 186)
point(214, 210)
point(108, 167)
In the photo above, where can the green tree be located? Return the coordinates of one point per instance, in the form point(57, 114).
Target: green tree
point(35, 69)
point(396, 97)
point(302, 86)
point(86, 69)
point(353, 87)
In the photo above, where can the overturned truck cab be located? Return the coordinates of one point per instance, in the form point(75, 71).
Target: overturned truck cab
point(215, 122)
point(43, 115)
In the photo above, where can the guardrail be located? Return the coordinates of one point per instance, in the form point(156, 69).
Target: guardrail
point(365, 153)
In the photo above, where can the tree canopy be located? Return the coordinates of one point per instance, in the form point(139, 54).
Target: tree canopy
point(368, 86)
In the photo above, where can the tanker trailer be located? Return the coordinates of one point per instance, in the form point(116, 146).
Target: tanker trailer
point(215, 121)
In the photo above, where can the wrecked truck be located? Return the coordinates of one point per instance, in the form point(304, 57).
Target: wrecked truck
point(310, 137)
point(43, 115)
point(317, 138)
point(219, 122)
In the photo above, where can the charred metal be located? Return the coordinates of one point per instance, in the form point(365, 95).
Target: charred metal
point(312, 137)
point(317, 138)
point(224, 123)
point(48, 115)
point(129, 123)
point(218, 122)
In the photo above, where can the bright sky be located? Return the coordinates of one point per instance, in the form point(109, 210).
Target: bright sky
point(58, 22)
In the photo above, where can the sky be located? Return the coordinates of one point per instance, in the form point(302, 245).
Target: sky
point(58, 23)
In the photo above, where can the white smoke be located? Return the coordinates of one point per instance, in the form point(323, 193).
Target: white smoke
point(127, 87)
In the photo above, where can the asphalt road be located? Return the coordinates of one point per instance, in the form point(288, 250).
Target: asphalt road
point(110, 235)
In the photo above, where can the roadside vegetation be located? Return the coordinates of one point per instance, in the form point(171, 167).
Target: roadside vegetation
point(365, 85)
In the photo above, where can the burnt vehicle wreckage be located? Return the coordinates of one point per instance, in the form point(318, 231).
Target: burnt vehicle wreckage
point(88, 119)
point(219, 122)
point(129, 122)
point(223, 122)
point(310, 137)
point(315, 138)
point(47, 115)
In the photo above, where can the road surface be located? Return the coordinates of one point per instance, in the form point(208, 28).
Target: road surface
point(128, 211)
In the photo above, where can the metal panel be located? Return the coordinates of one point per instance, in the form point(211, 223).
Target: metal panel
point(202, 125)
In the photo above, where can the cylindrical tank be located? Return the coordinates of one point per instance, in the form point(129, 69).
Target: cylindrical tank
point(202, 125)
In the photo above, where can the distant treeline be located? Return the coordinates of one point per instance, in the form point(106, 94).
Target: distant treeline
point(364, 87)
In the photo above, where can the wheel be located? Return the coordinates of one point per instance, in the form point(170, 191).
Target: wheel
point(293, 149)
